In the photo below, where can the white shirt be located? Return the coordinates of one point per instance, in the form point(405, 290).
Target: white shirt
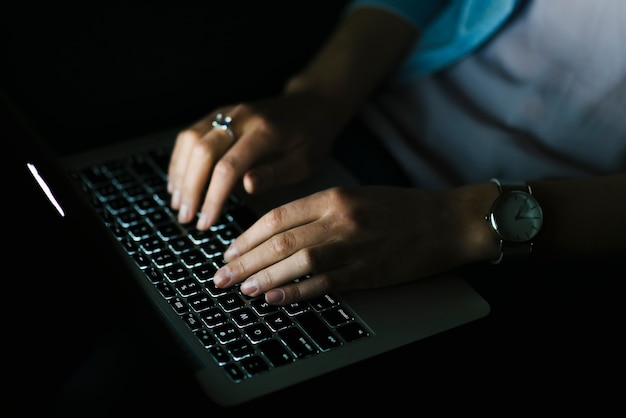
point(544, 98)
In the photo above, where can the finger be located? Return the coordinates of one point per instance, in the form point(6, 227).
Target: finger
point(282, 258)
point(181, 153)
point(275, 253)
point(178, 163)
point(296, 213)
point(306, 289)
point(310, 260)
point(200, 162)
point(276, 275)
point(243, 154)
point(284, 171)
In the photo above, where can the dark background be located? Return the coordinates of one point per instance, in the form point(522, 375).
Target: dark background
point(100, 73)
point(94, 70)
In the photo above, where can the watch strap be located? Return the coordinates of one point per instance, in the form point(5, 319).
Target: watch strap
point(513, 186)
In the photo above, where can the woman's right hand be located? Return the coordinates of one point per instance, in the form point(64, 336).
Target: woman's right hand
point(360, 237)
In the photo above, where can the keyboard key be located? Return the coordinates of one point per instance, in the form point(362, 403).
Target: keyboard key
point(179, 305)
point(337, 316)
point(226, 333)
point(295, 308)
point(276, 353)
point(257, 332)
point(254, 365)
point(352, 331)
point(192, 320)
point(244, 317)
point(192, 258)
point(205, 336)
point(318, 331)
point(277, 321)
point(204, 272)
point(188, 287)
point(154, 275)
point(175, 273)
point(219, 354)
point(323, 302)
point(213, 317)
point(166, 289)
point(234, 372)
point(230, 302)
point(200, 301)
point(297, 342)
point(240, 349)
point(261, 307)
point(180, 244)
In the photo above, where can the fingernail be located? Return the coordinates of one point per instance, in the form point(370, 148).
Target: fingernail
point(203, 222)
point(275, 296)
point(176, 199)
point(230, 253)
point(183, 213)
point(253, 182)
point(249, 287)
point(222, 277)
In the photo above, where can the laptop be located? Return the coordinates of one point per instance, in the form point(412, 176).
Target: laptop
point(240, 348)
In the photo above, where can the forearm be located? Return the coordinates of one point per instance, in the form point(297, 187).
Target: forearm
point(366, 47)
point(584, 218)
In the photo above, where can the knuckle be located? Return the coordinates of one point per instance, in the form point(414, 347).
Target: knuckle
point(294, 293)
point(306, 259)
point(254, 120)
point(241, 109)
point(282, 244)
point(325, 284)
point(268, 281)
point(341, 197)
point(237, 268)
point(352, 217)
point(188, 134)
point(202, 148)
point(273, 219)
point(335, 194)
point(224, 167)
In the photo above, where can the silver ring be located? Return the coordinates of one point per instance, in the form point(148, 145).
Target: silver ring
point(222, 122)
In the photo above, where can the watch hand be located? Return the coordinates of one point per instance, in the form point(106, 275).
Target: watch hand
point(522, 208)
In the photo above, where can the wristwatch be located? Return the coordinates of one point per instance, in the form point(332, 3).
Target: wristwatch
point(516, 218)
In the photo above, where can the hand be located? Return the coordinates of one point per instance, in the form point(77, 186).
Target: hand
point(277, 141)
point(359, 237)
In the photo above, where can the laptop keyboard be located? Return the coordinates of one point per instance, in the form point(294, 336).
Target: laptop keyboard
point(245, 336)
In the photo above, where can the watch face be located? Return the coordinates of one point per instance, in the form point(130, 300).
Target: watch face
point(516, 216)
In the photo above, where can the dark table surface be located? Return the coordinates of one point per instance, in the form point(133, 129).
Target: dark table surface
point(552, 342)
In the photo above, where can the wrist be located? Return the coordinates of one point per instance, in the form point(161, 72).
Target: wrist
point(324, 103)
point(477, 241)
point(308, 85)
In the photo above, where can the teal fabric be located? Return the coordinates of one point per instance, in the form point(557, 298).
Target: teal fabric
point(450, 29)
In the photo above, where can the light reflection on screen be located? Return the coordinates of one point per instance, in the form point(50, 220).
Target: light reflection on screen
point(46, 189)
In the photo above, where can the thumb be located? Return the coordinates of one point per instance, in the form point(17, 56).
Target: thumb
point(278, 173)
